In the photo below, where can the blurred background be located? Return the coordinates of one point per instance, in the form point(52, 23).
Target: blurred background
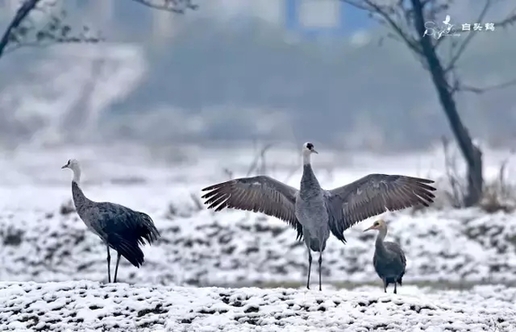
point(238, 71)
point(169, 103)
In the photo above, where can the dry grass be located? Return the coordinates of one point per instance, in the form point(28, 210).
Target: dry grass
point(498, 193)
point(498, 196)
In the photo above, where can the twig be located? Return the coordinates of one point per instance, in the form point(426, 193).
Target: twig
point(468, 88)
point(21, 14)
point(174, 6)
point(501, 174)
point(53, 32)
point(263, 153)
point(468, 39)
point(259, 156)
point(197, 201)
point(228, 172)
point(457, 192)
point(372, 7)
point(509, 20)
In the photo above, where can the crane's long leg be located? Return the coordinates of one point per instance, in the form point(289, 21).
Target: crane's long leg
point(108, 265)
point(320, 265)
point(116, 268)
point(384, 285)
point(309, 268)
point(395, 288)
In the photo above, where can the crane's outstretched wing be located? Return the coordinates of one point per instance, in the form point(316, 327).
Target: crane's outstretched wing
point(258, 194)
point(372, 195)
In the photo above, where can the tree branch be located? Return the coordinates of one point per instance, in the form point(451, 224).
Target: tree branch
point(57, 31)
point(472, 89)
point(462, 47)
point(371, 7)
point(174, 6)
point(509, 20)
point(21, 14)
point(22, 32)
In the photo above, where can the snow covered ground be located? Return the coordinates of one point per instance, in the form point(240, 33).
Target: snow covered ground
point(41, 241)
point(233, 248)
point(90, 306)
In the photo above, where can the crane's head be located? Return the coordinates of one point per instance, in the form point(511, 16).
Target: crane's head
point(71, 164)
point(378, 224)
point(309, 148)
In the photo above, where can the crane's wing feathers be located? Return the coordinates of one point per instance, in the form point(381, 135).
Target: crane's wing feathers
point(125, 229)
point(258, 194)
point(372, 195)
point(395, 248)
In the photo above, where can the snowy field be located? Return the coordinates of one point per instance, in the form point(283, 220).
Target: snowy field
point(90, 306)
point(50, 261)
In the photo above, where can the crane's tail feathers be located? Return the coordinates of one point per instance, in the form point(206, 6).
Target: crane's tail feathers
point(400, 281)
point(128, 240)
point(339, 234)
point(127, 248)
point(147, 231)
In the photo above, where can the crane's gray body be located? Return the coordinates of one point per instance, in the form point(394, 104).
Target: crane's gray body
point(119, 227)
point(312, 212)
point(389, 262)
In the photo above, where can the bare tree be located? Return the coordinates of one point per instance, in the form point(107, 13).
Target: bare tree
point(407, 21)
point(24, 31)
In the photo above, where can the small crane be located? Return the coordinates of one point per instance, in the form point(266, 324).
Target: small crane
point(389, 259)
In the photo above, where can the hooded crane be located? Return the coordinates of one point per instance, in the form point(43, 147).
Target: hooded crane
point(389, 259)
point(315, 212)
point(119, 227)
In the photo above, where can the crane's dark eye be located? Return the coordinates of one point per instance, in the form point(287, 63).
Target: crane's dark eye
point(376, 224)
point(69, 160)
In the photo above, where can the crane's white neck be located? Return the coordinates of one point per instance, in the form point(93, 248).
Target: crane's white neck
point(76, 174)
point(306, 157)
point(382, 233)
point(380, 246)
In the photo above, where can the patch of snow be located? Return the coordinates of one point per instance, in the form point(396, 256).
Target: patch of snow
point(91, 306)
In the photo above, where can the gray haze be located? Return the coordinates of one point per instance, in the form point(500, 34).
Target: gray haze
point(229, 72)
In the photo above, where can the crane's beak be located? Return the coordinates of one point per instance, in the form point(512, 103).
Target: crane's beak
point(314, 151)
point(369, 228)
point(65, 166)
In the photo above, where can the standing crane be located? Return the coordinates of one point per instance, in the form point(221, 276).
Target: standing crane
point(315, 212)
point(389, 259)
point(118, 226)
